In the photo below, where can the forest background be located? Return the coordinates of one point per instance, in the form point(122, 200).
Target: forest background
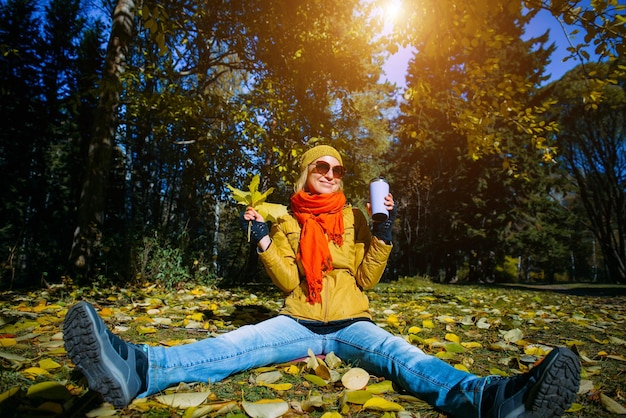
point(124, 122)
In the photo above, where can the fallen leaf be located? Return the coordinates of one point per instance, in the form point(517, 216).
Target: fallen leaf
point(316, 380)
point(51, 391)
point(358, 397)
point(265, 408)
point(7, 342)
point(106, 410)
point(386, 386)
point(49, 364)
point(483, 323)
point(34, 372)
point(355, 378)
point(268, 377)
point(183, 400)
point(332, 361)
point(381, 404)
point(513, 335)
point(611, 405)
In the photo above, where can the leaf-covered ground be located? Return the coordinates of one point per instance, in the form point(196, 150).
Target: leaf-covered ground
point(485, 330)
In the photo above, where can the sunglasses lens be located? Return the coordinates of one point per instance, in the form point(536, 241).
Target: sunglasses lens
point(322, 167)
point(339, 171)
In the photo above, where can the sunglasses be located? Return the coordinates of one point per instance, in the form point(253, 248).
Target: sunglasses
point(322, 167)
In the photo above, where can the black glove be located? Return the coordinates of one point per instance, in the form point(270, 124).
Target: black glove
point(382, 230)
point(256, 229)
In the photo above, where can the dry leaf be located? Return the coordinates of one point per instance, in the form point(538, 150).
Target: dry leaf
point(611, 405)
point(268, 377)
point(183, 400)
point(266, 408)
point(355, 378)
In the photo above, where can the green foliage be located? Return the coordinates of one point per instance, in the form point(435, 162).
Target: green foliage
point(160, 262)
point(213, 95)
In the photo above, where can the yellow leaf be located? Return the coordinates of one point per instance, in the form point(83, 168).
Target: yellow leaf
point(333, 414)
point(472, 344)
point(277, 386)
point(6, 395)
point(106, 312)
point(381, 404)
point(146, 330)
point(576, 407)
point(571, 343)
point(51, 391)
point(393, 320)
point(386, 386)
point(316, 380)
point(34, 372)
point(461, 367)
point(198, 316)
point(428, 323)
point(49, 364)
point(453, 338)
point(444, 355)
point(292, 370)
point(414, 330)
point(7, 342)
point(358, 397)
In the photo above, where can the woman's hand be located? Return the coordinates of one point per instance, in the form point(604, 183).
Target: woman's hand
point(382, 230)
point(254, 225)
point(252, 215)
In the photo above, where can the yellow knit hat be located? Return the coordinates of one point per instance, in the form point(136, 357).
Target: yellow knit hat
point(318, 152)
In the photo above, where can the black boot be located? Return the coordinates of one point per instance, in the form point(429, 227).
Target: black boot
point(546, 391)
point(114, 368)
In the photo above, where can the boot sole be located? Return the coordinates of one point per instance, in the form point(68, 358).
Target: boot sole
point(557, 388)
point(94, 357)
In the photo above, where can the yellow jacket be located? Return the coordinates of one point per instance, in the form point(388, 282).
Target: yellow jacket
point(357, 265)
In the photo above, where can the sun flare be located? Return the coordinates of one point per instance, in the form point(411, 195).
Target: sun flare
point(393, 9)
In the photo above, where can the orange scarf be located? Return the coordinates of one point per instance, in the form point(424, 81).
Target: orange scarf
point(317, 214)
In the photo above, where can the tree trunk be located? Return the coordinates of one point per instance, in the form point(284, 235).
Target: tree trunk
point(91, 207)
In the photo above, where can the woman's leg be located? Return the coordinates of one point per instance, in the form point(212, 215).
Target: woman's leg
point(276, 340)
point(433, 380)
point(546, 391)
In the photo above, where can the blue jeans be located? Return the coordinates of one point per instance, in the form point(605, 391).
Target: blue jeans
point(282, 339)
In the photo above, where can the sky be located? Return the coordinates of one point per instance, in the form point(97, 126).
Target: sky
point(396, 66)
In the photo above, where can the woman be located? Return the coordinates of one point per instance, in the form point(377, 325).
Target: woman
point(322, 256)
